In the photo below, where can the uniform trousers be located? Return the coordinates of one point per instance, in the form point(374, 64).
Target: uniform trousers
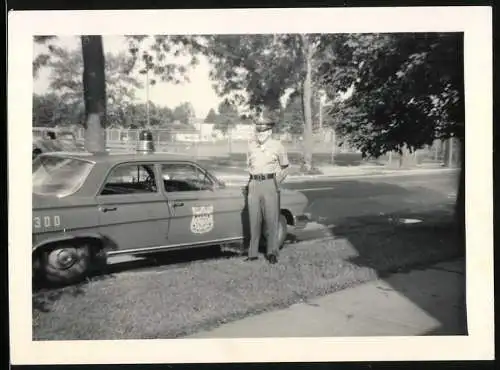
point(263, 205)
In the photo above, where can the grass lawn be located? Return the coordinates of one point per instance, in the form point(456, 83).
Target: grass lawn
point(179, 299)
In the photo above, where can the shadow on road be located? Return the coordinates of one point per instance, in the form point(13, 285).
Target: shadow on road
point(388, 246)
point(340, 200)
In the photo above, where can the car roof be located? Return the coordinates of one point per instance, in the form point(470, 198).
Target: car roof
point(114, 158)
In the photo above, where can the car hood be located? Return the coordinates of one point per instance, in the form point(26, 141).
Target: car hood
point(294, 196)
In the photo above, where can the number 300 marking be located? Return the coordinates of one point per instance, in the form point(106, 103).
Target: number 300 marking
point(47, 221)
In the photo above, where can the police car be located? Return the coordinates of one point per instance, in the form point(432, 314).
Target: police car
point(88, 206)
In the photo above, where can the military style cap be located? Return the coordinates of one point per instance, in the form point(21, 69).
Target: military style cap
point(265, 125)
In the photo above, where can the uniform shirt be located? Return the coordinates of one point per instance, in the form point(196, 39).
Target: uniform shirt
point(268, 157)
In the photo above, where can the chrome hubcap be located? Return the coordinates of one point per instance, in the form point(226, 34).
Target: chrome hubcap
point(65, 258)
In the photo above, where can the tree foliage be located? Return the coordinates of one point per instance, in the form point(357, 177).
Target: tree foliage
point(42, 59)
point(184, 113)
point(135, 116)
point(292, 119)
point(50, 110)
point(211, 116)
point(66, 80)
point(157, 55)
point(407, 90)
point(260, 70)
point(162, 55)
point(227, 117)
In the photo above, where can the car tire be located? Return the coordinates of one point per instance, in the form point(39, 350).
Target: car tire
point(65, 264)
point(36, 152)
point(282, 234)
point(282, 231)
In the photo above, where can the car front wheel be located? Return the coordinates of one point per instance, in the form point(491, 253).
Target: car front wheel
point(282, 234)
point(66, 263)
point(282, 231)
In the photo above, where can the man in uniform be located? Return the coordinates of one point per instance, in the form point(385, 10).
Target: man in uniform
point(267, 166)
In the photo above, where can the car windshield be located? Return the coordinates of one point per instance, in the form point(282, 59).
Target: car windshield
point(59, 176)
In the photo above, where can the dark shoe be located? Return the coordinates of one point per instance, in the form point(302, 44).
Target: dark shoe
point(272, 259)
point(250, 259)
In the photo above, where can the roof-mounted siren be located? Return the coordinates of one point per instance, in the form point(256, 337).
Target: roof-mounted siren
point(145, 144)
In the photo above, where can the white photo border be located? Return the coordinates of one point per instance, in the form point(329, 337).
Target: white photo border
point(475, 22)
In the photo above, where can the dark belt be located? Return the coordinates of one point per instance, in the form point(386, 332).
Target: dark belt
point(264, 176)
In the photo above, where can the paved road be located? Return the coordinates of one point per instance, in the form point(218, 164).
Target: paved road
point(332, 201)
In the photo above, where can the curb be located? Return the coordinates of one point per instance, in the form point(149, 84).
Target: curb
point(302, 178)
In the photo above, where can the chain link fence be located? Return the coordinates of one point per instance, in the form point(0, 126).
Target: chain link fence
point(326, 148)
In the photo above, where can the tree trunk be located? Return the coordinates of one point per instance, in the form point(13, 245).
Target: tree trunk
point(307, 96)
point(334, 145)
point(94, 91)
point(460, 202)
point(450, 152)
point(407, 159)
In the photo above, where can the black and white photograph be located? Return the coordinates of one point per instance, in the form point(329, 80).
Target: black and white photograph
point(314, 181)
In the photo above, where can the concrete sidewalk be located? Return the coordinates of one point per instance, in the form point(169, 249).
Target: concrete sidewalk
point(419, 302)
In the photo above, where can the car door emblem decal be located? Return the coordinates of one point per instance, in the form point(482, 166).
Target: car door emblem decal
point(203, 219)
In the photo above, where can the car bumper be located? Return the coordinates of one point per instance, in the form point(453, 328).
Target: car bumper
point(301, 221)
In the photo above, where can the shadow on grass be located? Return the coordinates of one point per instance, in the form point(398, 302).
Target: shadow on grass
point(138, 262)
point(45, 299)
point(45, 295)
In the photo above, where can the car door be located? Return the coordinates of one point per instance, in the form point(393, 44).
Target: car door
point(201, 211)
point(133, 210)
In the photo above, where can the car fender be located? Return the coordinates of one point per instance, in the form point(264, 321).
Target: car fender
point(105, 242)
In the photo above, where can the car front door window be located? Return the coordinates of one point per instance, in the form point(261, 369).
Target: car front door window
point(184, 177)
point(130, 179)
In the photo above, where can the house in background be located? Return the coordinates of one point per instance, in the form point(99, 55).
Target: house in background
point(208, 132)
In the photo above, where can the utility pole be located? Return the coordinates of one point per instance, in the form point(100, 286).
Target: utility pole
point(450, 152)
point(320, 114)
point(148, 64)
point(147, 96)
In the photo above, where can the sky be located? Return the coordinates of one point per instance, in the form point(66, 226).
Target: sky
point(198, 91)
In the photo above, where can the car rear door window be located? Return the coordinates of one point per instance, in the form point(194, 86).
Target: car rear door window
point(130, 179)
point(184, 177)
